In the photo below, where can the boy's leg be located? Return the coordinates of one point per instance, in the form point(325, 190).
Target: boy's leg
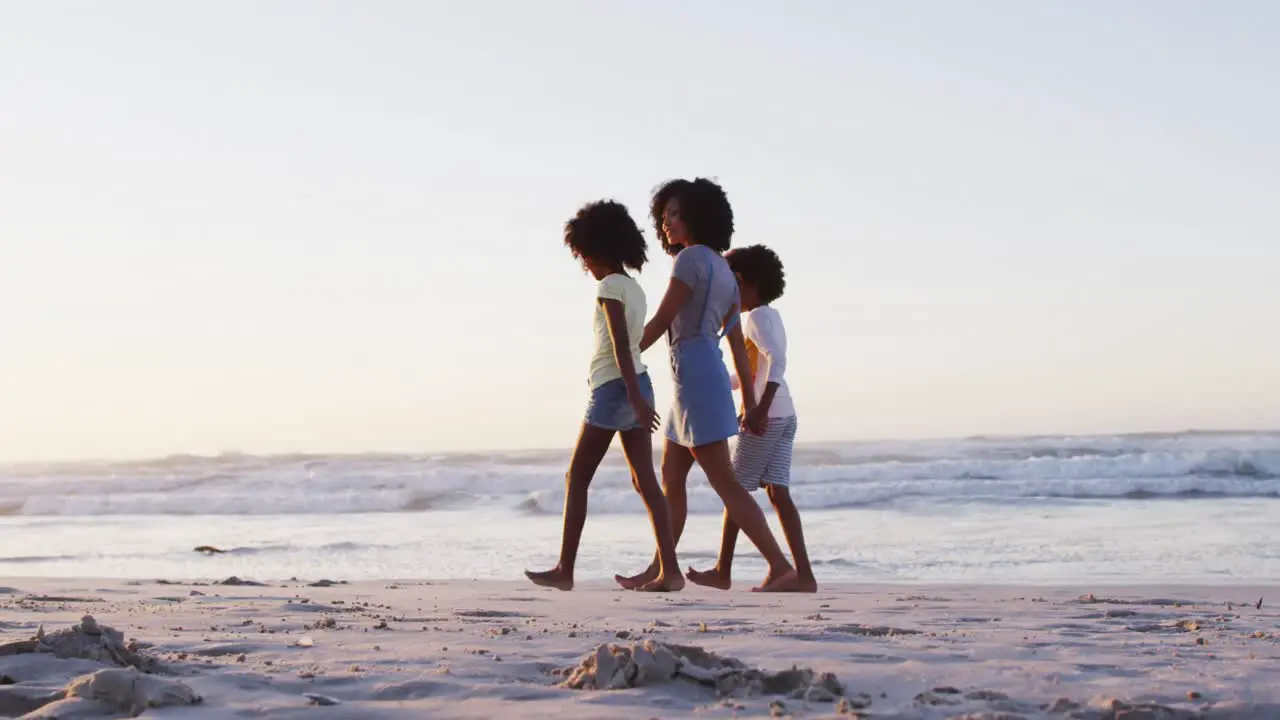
point(593, 443)
point(749, 458)
point(777, 483)
point(789, 517)
point(677, 461)
point(638, 447)
point(717, 464)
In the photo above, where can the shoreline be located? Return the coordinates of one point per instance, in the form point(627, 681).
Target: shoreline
point(742, 584)
point(482, 648)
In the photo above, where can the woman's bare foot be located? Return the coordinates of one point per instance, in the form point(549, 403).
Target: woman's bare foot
point(631, 583)
point(554, 578)
point(786, 582)
point(806, 584)
point(662, 583)
point(712, 578)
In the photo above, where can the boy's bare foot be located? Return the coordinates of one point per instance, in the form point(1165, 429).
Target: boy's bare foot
point(662, 583)
point(631, 583)
point(555, 578)
point(786, 582)
point(712, 578)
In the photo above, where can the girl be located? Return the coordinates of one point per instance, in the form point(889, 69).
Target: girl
point(607, 242)
point(694, 221)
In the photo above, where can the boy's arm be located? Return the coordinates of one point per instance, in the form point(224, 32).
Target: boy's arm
point(615, 315)
point(770, 338)
point(678, 293)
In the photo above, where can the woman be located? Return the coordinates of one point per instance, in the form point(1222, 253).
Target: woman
point(694, 222)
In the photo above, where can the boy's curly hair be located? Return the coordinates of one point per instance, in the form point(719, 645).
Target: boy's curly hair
point(603, 231)
point(759, 266)
point(704, 208)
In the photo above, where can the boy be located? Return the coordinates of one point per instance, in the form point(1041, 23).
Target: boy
point(764, 459)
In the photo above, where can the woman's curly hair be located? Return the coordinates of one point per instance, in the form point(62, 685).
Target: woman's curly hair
point(603, 231)
point(704, 209)
point(760, 266)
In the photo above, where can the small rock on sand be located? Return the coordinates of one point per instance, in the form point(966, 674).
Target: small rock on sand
point(320, 699)
point(1061, 705)
point(237, 582)
point(849, 704)
point(928, 698)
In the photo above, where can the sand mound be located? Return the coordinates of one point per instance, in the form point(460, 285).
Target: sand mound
point(127, 688)
point(616, 667)
point(88, 641)
point(113, 691)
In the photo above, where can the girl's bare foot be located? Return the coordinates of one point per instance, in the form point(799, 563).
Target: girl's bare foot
point(806, 584)
point(712, 578)
point(554, 578)
point(786, 582)
point(631, 583)
point(662, 583)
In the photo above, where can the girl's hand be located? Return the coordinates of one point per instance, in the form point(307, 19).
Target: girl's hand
point(647, 416)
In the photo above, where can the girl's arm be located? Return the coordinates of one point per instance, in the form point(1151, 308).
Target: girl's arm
point(616, 316)
point(678, 293)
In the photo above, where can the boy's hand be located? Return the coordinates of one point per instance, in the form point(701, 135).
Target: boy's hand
point(647, 416)
point(756, 421)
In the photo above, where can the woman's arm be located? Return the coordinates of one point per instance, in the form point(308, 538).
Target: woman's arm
point(678, 293)
point(616, 317)
point(741, 363)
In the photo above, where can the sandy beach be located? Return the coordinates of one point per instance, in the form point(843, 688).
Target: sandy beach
point(462, 649)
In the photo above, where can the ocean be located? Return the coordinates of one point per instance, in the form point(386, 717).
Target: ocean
point(1143, 508)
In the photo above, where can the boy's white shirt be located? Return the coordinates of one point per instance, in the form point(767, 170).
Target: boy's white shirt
point(763, 327)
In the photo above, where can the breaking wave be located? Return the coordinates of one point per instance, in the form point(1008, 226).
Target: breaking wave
point(1184, 466)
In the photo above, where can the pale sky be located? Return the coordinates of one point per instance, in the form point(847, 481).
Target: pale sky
point(273, 226)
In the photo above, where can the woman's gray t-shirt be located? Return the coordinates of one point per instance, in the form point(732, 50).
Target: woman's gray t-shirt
point(703, 269)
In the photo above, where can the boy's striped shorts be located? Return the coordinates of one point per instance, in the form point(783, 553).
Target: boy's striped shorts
point(766, 459)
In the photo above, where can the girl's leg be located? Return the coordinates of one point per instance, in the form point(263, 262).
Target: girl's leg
point(677, 461)
point(789, 516)
point(593, 443)
point(744, 511)
point(638, 446)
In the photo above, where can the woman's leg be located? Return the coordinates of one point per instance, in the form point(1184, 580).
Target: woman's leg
point(743, 510)
point(720, 577)
point(593, 443)
point(677, 461)
point(638, 446)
